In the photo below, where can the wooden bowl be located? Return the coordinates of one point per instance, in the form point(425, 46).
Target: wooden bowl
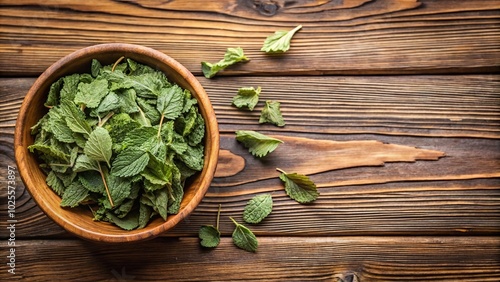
point(79, 220)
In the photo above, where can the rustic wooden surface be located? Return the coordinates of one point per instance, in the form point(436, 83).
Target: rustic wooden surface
point(392, 108)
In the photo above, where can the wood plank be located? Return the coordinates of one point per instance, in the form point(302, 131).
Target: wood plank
point(457, 115)
point(277, 259)
point(338, 37)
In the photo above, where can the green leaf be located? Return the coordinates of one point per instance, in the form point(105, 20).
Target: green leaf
point(129, 222)
point(148, 110)
point(132, 65)
point(118, 126)
point(144, 215)
point(210, 236)
point(279, 42)
point(258, 144)
point(176, 192)
point(109, 103)
point(92, 181)
point(231, 57)
point(243, 237)
point(299, 187)
point(157, 171)
point(128, 102)
point(196, 135)
point(122, 210)
point(67, 178)
point(50, 151)
point(247, 97)
point(84, 163)
point(130, 162)
point(55, 183)
point(98, 147)
point(170, 102)
point(53, 97)
point(119, 189)
point(56, 124)
point(146, 85)
point(189, 102)
point(258, 208)
point(186, 123)
point(91, 94)
point(143, 138)
point(271, 113)
point(161, 202)
point(75, 118)
point(193, 157)
point(74, 195)
point(95, 68)
point(70, 87)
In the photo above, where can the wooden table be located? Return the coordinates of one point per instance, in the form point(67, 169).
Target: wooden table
point(391, 107)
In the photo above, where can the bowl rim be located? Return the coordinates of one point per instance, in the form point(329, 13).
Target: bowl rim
point(212, 143)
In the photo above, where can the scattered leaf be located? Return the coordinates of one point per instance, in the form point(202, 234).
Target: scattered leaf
point(271, 113)
point(258, 144)
point(279, 42)
point(299, 187)
point(258, 208)
point(244, 238)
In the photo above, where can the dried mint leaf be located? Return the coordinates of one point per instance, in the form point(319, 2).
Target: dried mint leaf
point(74, 195)
point(91, 94)
point(279, 42)
point(271, 113)
point(299, 187)
point(95, 68)
point(210, 236)
point(170, 102)
point(84, 163)
point(231, 57)
point(258, 208)
point(129, 222)
point(247, 97)
point(258, 144)
point(98, 147)
point(55, 183)
point(75, 118)
point(130, 162)
point(244, 238)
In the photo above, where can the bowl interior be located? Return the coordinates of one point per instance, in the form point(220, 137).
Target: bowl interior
point(79, 220)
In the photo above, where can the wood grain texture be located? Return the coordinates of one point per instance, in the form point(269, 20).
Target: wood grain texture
point(277, 259)
point(458, 194)
point(338, 37)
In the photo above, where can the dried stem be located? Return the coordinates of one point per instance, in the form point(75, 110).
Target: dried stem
point(117, 62)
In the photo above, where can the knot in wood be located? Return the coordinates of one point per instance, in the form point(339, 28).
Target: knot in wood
point(346, 277)
point(266, 7)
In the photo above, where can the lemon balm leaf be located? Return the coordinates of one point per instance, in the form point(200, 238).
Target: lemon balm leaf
point(98, 147)
point(210, 236)
point(271, 113)
point(231, 57)
point(75, 118)
point(258, 208)
point(299, 187)
point(244, 238)
point(247, 97)
point(258, 144)
point(279, 42)
point(74, 195)
point(91, 94)
point(130, 162)
point(170, 102)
